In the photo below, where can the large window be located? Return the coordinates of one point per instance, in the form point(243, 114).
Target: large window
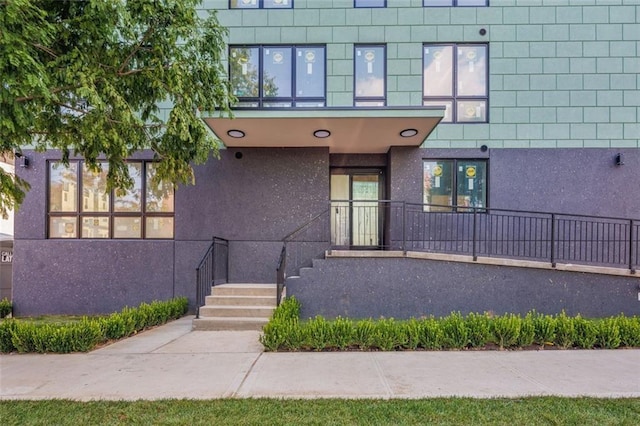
point(80, 206)
point(369, 3)
point(455, 3)
point(260, 4)
point(278, 76)
point(451, 183)
point(369, 75)
point(455, 75)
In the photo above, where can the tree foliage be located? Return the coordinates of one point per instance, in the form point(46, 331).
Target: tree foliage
point(86, 77)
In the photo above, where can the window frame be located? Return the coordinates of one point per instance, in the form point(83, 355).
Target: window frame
point(260, 5)
point(454, 3)
point(455, 98)
point(356, 6)
point(79, 213)
point(261, 100)
point(366, 99)
point(455, 208)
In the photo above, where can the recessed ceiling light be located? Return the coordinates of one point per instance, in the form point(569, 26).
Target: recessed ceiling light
point(234, 133)
point(407, 133)
point(322, 134)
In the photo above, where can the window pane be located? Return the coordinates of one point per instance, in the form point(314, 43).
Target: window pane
point(438, 3)
point(310, 104)
point(448, 116)
point(244, 63)
point(127, 227)
point(438, 71)
point(438, 185)
point(159, 227)
point(276, 72)
point(131, 201)
point(472, 183)
point(95, 227)
point(159, 196)
point(244, 4)
point(63, 187)
point(273, 4)
point(472, 70)
point(276, 104)
point(472, 111)
point(369, 75)
point(369, 103)
point(95, 197)
point(63, 227)
point(370, 3)
point(310, 72)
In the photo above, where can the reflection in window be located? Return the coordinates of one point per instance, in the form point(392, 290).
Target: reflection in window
point(131, 199)
point(451, 183)
point(466, 97)
point(370, 76)
point(96, 217)
point(278, 76)
point(261, 4)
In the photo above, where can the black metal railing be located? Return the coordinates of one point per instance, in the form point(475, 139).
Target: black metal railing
point(473, 231)
point(212, 270)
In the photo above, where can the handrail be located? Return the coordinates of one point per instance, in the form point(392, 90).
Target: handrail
point(213, 269)
point(281, 274)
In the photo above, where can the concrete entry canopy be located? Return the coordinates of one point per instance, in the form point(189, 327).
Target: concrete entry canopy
point(343, 131)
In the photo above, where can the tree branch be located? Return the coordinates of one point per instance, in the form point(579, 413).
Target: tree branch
point(146, 35)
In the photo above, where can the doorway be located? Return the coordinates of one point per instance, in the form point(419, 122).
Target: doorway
point(356, 214)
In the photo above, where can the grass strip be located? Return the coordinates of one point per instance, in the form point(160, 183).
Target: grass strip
point(438, 411)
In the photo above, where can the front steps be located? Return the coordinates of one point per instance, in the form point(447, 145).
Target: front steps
point(237, 307)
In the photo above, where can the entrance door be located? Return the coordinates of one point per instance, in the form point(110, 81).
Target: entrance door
point(356, 217)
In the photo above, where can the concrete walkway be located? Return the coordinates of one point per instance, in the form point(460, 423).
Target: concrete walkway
point(174, 362)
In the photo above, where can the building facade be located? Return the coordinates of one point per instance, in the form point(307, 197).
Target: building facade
point(456, 106)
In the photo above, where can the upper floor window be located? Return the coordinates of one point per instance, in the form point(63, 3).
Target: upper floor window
point(370, 75)
point(456, 182)
point(260, 4)
point(369, 3)
point(455, 75)
point(278, 76)
point(455, 3)
point(80, 206)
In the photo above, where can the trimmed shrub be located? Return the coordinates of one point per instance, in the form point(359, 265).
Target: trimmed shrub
point(7, 328)
point(506, 330)
point(412, 330)
point(6, 307)
point(363, 334)
point(318, 333)
point(341, 334)
point(608, 336)
point(431, 334)
point(289, 309)
point(527, 331)
point(454, 331)
point(478, 329)
point(388, 335)
point(545, 329)
point(629, 331)
point(565, 331)
point(586, 332)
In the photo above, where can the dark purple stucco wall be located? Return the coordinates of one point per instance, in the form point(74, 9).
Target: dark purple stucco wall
point(258, 199)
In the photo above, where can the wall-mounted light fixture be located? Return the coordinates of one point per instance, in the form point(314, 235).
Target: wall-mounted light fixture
point(322, 133)
point(235, 133)
point(23, 160)
point(619, 159)
point(407, 133)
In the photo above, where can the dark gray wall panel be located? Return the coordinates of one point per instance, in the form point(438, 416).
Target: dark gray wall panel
point(89, 276)
point(404, 288)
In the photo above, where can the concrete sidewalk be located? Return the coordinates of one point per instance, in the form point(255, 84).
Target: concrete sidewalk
point(173, 362)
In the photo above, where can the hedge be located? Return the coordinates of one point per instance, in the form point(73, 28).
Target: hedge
point(26, 336)
point(286, 332)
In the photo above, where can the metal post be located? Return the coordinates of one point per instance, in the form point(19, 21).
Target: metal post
point(330, 230)
point(404, 227)
point(631, 268)
point(473, 250)
point(553, 240)
point(198, 295)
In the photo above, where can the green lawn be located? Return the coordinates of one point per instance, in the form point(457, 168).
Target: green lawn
point(444, 411)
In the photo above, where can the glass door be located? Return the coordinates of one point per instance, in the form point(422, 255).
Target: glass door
point(356, 218)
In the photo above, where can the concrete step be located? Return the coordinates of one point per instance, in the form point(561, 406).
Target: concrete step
point(241, 300)
point(225, 323)
point(238, 289)
point(236, 311)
